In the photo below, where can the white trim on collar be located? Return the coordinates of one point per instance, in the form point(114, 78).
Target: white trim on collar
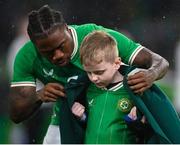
point(75, 40)
point(116, 87)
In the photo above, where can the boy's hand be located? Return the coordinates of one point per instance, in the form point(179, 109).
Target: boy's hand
point(78, 109)
point(132, 114)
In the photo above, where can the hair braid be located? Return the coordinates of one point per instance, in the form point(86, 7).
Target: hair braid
point(43, 22)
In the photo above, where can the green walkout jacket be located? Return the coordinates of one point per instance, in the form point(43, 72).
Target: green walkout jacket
point(72, 129)
point(154, 104)
point(160, 113)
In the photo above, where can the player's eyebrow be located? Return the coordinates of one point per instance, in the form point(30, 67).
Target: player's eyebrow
point(43, 49)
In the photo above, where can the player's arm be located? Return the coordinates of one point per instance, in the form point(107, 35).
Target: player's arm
point(156, 66)
point(24, 101)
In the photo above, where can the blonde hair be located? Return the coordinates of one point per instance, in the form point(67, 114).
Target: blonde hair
point(98, 46)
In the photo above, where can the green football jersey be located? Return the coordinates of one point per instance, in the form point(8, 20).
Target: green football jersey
point(106, 111)
point(30, 65)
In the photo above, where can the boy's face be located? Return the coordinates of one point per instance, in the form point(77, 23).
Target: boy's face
point(102, 74)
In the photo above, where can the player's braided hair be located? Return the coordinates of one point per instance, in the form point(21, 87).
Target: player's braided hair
point(43, 22)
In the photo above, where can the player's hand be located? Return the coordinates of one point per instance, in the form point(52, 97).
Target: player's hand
point(51, 92)
point(141, 81)
point(78, 109)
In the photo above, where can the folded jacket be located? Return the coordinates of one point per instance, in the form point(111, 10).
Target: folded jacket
point(160, 113)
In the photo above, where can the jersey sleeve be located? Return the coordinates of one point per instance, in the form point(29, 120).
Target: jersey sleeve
point(128, 49)
point(23, 67)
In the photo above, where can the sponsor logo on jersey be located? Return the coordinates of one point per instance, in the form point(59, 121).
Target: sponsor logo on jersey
point(48, 73)
point(91, 102)
point(124, 105)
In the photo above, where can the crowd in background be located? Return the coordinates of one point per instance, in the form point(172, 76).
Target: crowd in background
point(153, 23)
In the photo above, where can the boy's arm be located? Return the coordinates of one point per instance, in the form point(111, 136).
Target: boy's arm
point(79, 111)
point(155, 65)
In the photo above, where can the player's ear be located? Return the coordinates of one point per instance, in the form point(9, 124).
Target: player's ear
point(117, 63)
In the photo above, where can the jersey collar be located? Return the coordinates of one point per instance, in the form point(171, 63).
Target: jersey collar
point(116, 87)
point(75, 40)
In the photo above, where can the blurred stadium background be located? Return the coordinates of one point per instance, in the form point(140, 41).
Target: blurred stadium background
point(153, 23)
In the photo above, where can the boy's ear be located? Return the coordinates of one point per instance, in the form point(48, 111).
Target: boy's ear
point(117, 62)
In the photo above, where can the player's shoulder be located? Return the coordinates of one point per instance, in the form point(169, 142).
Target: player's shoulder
point(28, 49)
point(27, 53)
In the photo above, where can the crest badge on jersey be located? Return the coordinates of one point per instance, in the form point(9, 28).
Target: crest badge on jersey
point(124, 105)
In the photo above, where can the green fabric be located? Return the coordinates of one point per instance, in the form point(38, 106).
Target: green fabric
point(106, 111)
point(5, 129)
point(127, 48)
point(72, 129)
point(30, 65)
point(160, 113)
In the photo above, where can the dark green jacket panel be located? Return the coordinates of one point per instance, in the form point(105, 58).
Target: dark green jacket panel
point(160, 113)
point(73, 130)
point(154, 104)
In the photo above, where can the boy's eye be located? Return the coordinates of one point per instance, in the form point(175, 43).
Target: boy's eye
point(99, 72)
point(96, 72)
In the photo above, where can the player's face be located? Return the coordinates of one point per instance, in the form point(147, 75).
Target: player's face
point(57, 47)
point(102, 74)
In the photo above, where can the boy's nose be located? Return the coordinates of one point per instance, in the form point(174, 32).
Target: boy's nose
point(94, 77)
